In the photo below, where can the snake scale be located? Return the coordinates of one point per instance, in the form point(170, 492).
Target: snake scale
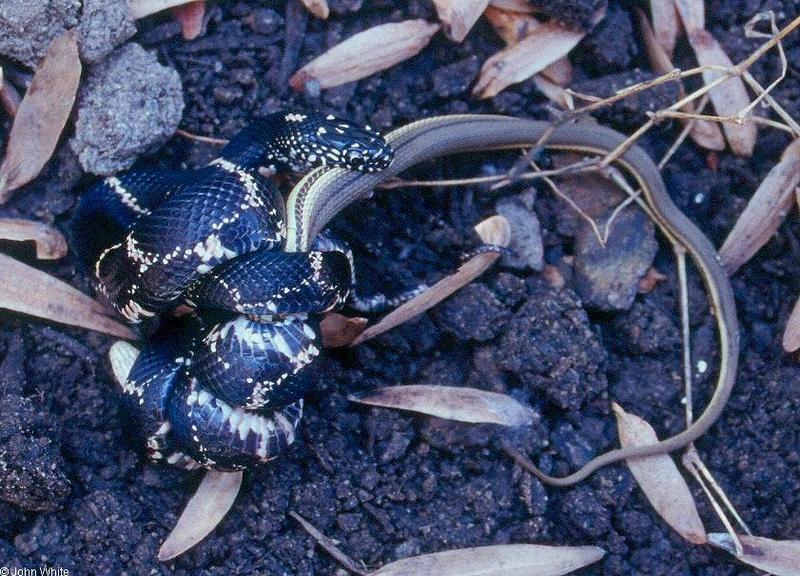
point(322, 194)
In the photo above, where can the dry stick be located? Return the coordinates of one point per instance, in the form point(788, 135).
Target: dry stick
point(328, 545)
point(693, 458)
point(720, 119)
point(684, 133)
point(200, 138)
point(777, 108)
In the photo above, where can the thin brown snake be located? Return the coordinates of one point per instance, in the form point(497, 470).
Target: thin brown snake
point(324, 192)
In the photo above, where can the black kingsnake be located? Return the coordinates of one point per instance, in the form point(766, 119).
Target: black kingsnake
point(223, 388)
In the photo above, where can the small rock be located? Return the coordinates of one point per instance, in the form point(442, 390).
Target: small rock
point(265, 21)
point(349, 522)
point(129, 104)
point(473, 313)
point(580, 14)
point(645, 329)
point(606, 277)
point(455, 79)
point(105, 24)
point(27, 28)
point(612, 44)
point(32, 474)
point(526, 232)
point(581, 508)
point(571, 446)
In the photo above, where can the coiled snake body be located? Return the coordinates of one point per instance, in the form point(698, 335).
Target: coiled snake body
point(222, 394)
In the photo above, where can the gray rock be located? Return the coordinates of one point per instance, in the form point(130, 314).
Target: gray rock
point(526, 232)
point(473, 313)
point(606, 277)
point(105, 24)
point(28, 27)
point(130, 104)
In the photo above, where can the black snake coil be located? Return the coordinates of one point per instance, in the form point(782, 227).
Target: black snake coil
point(222, 388)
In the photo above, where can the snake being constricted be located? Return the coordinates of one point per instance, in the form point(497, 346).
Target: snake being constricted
point(327, 190)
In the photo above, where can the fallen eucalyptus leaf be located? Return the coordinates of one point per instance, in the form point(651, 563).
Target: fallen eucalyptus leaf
point(779, 557)
point(728, 98)
point(451, 403)
point(142, 8)
point(518, 62)
point(318, 8)
point(50, 243)
point(328, 544)
point(501, 560)
point(791, 335)
point(659, 479)
point(339, 330)
point(665, 24)
point(30, 291)
point(42, 115)
point(522, 6)
point(459, 16)
point(765, 211)
point(366, 53)
point(494, 230)
point(206, 509)
point(692, 13)
point(190, 16)
point(513, 27)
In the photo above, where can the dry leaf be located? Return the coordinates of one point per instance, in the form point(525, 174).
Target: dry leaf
point(779, 557)
point(366, 53)
point(318, 8)
point(522, 6)
point(339, 330)
point(191, 17)
point(764, 212)
point(705, 133)
point(206, 509)
point(50, 243)
point(451, 403)
point(552, 91)
point(791, 336)
point(542, 47)
point(494, 230)
point(42, 115)
point(665, 24)
point(328, 544)
point(501, 560)
point(659, 479)
point(513, 27)
point(692, 13)
point(459, 16)
point(730, 97)
point(30, 291)
point(142, 8)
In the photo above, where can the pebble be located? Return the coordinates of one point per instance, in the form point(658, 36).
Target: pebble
point(28, 27)
point(105, 24)
point(526, 232)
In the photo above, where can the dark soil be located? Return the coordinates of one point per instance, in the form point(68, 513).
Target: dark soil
point(386, 484)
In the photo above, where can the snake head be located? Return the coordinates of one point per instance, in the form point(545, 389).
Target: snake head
point(319, 140)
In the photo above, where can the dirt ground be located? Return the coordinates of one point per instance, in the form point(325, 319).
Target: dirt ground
point(386, 484)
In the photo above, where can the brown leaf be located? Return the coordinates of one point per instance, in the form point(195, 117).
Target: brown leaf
point(366, 53)
point(30, 291)
point(494, 230)
point(50, 243)
point(522, 6)
point(779, 557)
point(692, 13)
point(730, 97)
point(339, 330)
point(764, 212)
point(540, 48)
point(659, 479)
point(791, 335)
point(513, 27)
point(142, 8)
point(704, 132)
point(42, 115)
point(318, 8)
point(206, 509)
point(459, 16)
point(451, 403)
point(190, 16)
point(666, 24)
point(500, 560)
